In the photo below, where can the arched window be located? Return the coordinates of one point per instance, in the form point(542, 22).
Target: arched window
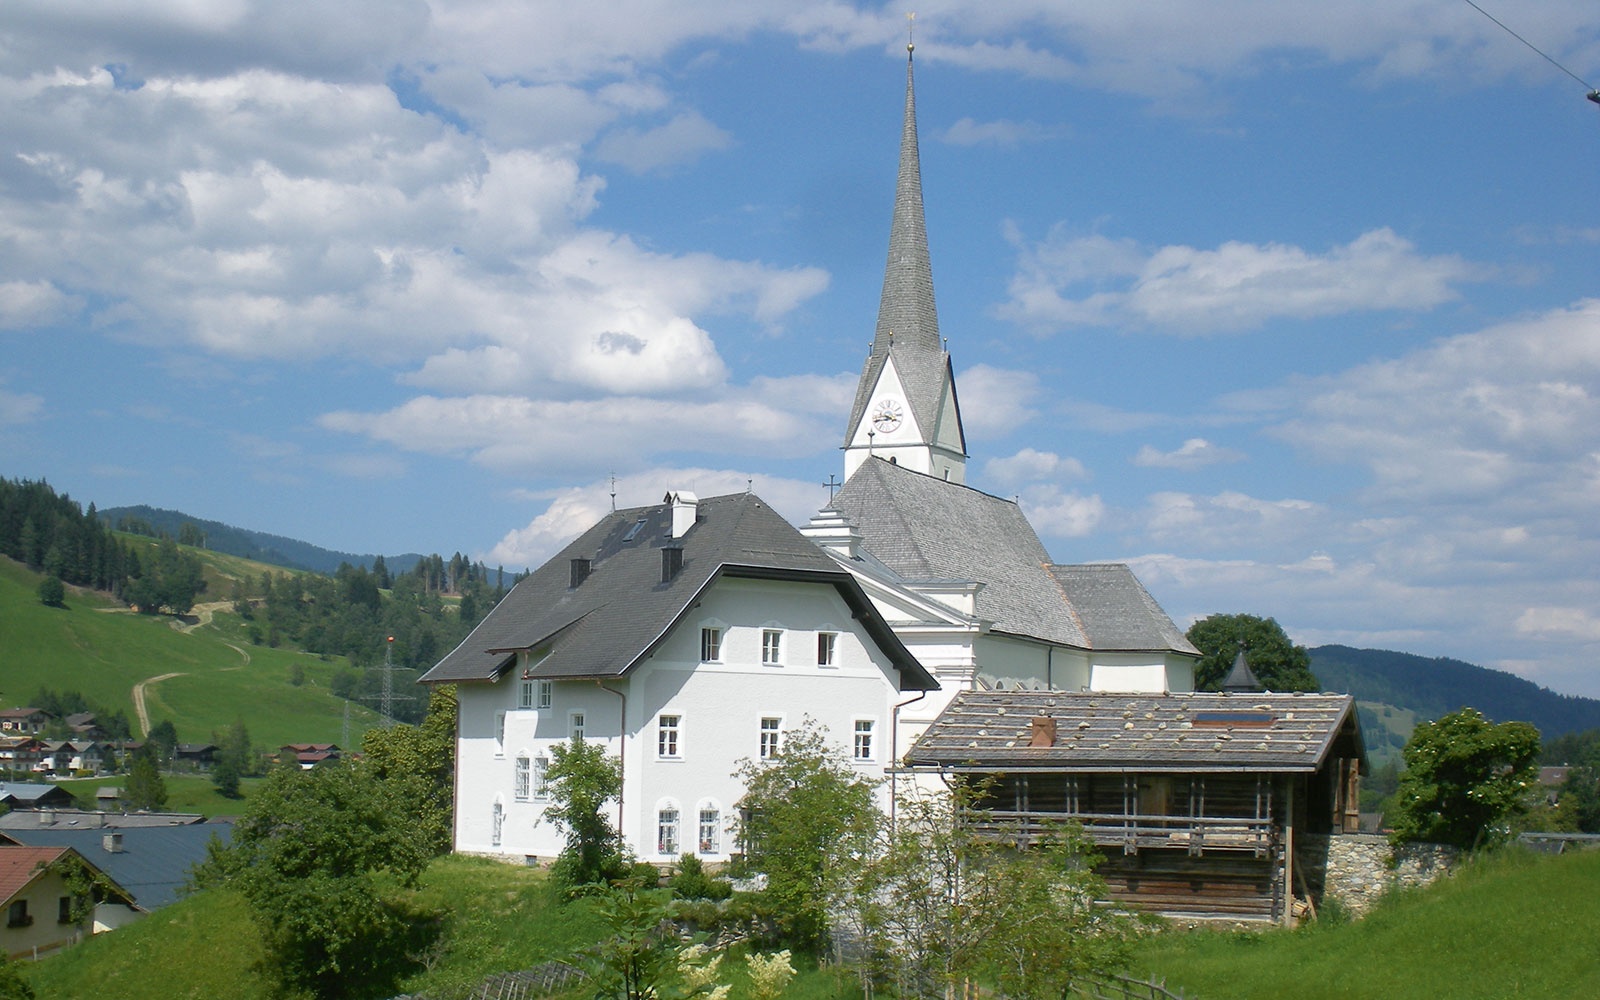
point(667, 842)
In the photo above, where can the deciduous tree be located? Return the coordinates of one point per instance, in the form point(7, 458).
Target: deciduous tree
point(1465, 778)
point(1277, 662)
point(808, 822)
point(584, 780)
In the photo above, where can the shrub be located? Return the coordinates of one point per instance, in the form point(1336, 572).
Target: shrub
point(690, 881)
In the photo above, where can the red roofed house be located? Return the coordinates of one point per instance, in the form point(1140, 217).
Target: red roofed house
point(38, 902)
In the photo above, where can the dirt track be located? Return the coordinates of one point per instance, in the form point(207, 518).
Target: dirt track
point(138, 700)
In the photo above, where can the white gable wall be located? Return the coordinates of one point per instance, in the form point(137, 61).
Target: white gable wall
point(719, 707)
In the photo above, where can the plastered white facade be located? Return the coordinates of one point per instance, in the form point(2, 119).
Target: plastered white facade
point(718, 707)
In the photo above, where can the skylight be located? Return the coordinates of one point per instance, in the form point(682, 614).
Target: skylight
point(633, 532)
point(1233, 718)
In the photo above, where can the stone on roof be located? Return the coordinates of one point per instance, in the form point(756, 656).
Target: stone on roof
point(1192, 732)
point(622, 607)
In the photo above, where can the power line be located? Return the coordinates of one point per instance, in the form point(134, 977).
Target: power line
point(1593, 95)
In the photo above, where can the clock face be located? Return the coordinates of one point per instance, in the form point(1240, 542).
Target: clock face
point(886, 416)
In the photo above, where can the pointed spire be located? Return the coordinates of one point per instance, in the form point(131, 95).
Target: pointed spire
point(906, 311)
point(1241, 678)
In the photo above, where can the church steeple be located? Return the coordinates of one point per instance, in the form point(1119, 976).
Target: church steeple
point(905, 407)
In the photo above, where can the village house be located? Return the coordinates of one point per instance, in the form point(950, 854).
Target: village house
point(683, 637)
point(19, 721)
point(39, 904)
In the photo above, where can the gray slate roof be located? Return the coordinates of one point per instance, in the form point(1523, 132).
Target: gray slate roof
point(153, 864)
point(1116, 612)
point(908, 322)
point(27, 795)
point(1191, 733)
point(925, 528)
point(622, 610)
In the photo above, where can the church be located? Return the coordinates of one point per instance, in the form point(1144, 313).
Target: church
point(693, 634)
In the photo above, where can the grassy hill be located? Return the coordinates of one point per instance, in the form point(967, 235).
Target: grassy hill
point(96, 647)
point(1511, 926)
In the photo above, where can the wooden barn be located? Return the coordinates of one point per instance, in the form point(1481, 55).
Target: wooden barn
point(1196, 801)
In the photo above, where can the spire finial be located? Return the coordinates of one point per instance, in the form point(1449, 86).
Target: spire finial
point(911, 33)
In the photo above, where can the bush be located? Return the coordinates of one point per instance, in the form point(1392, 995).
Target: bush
point(690, 881)
point(52, 591)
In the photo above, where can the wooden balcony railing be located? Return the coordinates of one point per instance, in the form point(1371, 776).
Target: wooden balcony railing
point(1131, 831)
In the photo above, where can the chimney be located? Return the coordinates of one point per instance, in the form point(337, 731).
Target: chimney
point(1044, 732)
point(47, 817)
point(112, 842)
point(671, 562)
point(684, 506)
point(580, 572)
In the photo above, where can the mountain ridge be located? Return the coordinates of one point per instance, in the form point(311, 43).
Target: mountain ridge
point(277, 550)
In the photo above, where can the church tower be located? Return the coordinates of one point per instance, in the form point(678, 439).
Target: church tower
point(905, 407)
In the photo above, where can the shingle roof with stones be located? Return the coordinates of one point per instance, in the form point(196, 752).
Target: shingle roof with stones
point(623, 609)
point(1194, 732)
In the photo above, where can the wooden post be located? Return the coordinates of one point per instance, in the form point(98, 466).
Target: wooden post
point(1288, 852)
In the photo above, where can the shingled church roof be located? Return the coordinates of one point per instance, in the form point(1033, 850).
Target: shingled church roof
point(926, 529)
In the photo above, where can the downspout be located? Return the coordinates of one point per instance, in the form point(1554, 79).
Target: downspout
point(622, 753)
point(894, 741)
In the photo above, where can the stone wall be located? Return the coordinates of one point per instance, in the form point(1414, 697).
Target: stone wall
point(1357, 868)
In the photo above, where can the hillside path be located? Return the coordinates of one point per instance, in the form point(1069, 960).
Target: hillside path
point(138, 700)
point(202, 614)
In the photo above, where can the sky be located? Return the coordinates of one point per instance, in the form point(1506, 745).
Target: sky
point(1290, 306)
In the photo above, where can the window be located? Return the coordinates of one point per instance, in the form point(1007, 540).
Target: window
point(64, 910)
point(710, 830)
point(17, 914)
point(771, 737)
point(524, 774)
point(535, 694)
point(499, 733)
point(667, 735)
point(825, 643)
point(863, 749)
point(710, 645)
point(541, 777)
point(772, 646)
point(575, 725)
point(498, 821)
point(667, 831)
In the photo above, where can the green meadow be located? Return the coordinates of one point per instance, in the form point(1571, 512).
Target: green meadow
point(98, 648)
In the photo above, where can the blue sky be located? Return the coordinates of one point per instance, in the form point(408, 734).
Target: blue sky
point(1292, 307)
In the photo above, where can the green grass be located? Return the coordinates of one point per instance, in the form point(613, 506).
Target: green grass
point(186, 793)
point(1515, 925)
point(498, 918)
point(95, 647)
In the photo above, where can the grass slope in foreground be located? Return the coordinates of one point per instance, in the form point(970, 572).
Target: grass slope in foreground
point(1515, 925)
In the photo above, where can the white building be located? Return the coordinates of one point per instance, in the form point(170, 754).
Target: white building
point(684, 638)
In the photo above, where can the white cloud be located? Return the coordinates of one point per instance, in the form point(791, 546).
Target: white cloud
point(1509, 416)
point(1062, 514)
point(1031, 466)
point(19, 407)
point(996, 401)
point(1195, 453)
point(1230, 521)
point(25, 304)
point(682, 140)
point(1561, 623)
point(1237, 286)
point(1003, 133)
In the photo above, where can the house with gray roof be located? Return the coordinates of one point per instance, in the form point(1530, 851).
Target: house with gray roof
point(1202, 804)
point(150, 862)
point(684, 636)
point(960, 574)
